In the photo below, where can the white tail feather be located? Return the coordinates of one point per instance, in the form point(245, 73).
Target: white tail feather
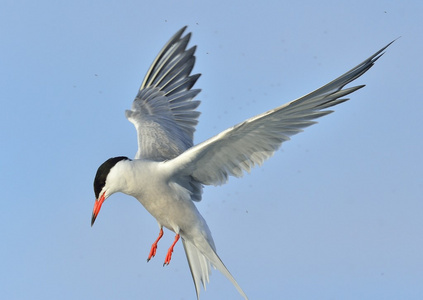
point(200, 258)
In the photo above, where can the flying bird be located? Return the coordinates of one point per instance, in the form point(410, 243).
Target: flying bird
point(168, 172)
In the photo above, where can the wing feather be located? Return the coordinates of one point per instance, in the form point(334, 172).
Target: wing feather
point(238, 149)
point(164, 110)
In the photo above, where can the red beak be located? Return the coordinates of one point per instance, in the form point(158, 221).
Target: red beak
point(97, 205)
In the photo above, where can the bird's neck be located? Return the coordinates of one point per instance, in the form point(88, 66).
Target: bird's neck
point(132, 177)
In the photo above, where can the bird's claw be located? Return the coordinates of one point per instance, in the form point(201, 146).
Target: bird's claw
point(154, 246)
point(152, 252)
point(168, 257)
point(170, 251)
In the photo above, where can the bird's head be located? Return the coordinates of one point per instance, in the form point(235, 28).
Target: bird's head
point(106, 182)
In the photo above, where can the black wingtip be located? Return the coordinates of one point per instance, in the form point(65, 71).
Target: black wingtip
point(378, 54)
point(179, 33)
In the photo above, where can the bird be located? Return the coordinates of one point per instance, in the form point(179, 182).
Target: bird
point(168, 172)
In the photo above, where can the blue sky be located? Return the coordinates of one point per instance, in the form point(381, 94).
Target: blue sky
point(335, 214)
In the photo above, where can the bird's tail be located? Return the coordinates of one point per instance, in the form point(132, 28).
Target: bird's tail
point(200, 258)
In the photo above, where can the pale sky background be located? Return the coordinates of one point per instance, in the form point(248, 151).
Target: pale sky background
point(335, 214)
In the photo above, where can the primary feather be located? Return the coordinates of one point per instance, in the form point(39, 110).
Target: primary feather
point(249, 143)
point(164, 112)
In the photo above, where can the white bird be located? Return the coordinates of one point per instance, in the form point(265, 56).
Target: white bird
point(168, 173)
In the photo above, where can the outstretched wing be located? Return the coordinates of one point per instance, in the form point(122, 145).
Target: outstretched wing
point(164, 112)
point(249, 143)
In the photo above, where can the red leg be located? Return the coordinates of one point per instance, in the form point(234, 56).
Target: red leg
point(169, 252)
point(154, 246)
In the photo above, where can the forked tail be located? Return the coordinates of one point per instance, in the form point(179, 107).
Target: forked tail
point(200, 259)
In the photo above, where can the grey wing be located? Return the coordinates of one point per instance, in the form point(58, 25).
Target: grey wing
point(164, 112)
point(245, 145)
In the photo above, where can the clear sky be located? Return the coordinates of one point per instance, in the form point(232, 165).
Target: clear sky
point(335, 214)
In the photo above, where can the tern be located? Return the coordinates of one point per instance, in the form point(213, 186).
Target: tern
point(168, 172)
